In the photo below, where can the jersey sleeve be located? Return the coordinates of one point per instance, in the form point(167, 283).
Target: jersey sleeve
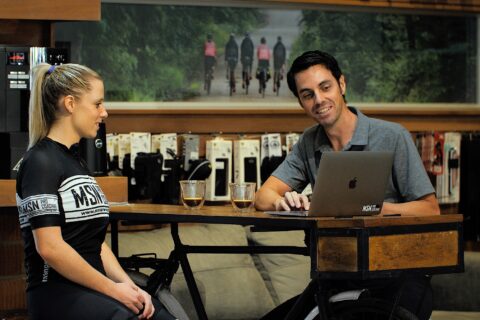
point(37, 196)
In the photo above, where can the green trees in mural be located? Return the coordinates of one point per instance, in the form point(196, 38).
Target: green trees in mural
point(396, 58)
point(151, 53)
point(155, 53)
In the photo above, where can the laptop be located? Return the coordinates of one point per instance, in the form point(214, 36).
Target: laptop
point(349, 183)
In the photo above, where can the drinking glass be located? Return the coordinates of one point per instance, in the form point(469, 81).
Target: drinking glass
point(242, 196)
point(192, 193)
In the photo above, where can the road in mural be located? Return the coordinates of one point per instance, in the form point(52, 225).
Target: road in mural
point(284, 23)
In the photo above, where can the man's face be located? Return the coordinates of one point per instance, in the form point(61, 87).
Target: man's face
point(320, 95)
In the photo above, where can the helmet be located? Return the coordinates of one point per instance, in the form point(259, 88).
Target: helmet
point(279, 38)
point(209, 36)
point(263, 40)
point(247, 34)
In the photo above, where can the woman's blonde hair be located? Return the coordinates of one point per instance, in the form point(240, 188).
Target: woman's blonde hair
point(50, 83)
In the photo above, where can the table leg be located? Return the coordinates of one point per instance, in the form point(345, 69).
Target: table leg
point(187, 272)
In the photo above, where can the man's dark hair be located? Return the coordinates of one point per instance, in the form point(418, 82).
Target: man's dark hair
point(308, 59)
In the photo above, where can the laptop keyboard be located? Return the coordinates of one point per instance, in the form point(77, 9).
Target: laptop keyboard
point(299, 213)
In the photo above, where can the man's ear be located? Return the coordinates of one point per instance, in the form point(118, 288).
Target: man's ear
point(69, 103)
point(343, 85)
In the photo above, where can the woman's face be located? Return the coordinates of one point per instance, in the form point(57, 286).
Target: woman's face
point(89, 110)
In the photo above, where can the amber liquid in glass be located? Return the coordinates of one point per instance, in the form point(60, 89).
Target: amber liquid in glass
point(242, 204)
point(192, 202)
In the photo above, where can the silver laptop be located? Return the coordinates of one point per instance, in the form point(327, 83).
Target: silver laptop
point(348, 184)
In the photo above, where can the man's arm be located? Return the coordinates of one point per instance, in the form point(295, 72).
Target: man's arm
point(277, 195)
point(424, 206)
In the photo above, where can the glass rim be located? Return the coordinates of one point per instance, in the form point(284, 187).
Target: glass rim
point(241, 183)
point(191, 181)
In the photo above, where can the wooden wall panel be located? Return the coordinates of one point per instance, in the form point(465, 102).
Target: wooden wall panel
point(50, 10)
point(114, 188)
point(7, 193)
point(12, 293)
point(261, 120)
point(30, 33)
point(423, 5)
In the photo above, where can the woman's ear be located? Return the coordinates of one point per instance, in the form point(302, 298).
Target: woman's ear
point(68, 102)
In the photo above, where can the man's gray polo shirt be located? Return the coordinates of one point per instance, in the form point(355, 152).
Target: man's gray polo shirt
point(408, 182)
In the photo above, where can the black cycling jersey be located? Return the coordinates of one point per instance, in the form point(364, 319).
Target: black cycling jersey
point(279, 55)
point(247, 49)
point(54, 188)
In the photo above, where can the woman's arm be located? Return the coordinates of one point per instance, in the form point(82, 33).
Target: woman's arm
point(115, 272)
point(66, 261)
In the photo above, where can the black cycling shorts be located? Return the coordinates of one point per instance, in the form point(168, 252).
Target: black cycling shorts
point(73, 302)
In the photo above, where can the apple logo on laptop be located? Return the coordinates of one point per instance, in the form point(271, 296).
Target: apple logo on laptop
point(352, 184)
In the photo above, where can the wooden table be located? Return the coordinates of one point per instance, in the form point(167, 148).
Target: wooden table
point(347, 248)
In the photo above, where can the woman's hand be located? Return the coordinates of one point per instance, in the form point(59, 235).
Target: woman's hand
point(148, 308)
point(130, 295)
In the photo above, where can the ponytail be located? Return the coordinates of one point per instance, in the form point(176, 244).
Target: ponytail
point(49, 85)
point(37, 125)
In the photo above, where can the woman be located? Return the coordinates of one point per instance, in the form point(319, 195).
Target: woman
point(71, 272)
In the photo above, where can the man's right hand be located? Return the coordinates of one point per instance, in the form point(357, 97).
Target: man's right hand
point(292, 200)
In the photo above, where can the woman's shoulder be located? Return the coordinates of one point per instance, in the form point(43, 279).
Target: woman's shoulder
point(44, 155)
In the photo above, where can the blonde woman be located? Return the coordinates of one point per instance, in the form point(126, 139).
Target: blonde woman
point(71, 272)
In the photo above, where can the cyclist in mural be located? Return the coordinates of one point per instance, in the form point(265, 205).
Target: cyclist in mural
point(210, 58)
point(231, 60)
point(263, 66)
point(279, 58)
point(247, 49)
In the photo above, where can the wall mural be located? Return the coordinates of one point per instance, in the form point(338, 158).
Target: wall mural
point(162, 53)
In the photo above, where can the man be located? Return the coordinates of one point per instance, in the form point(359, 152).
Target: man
point(279, 57)
point(246, 57)
point(319, 85)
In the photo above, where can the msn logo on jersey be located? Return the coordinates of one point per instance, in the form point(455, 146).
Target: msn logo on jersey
point(30, 206)
point(87, 195)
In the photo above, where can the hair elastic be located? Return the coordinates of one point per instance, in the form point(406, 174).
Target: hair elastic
point(50, 70)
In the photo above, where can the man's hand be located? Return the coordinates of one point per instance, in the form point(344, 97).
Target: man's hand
point(292, 200)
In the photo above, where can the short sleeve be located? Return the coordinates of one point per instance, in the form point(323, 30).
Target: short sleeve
point(37, 197)
point(293, 170)
point(409, 173)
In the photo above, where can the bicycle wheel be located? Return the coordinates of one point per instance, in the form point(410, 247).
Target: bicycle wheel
point(232, 82)
point(364, 309)
point(247, 81)
point(262, 82)
point(277, 83)
point(208, 82)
